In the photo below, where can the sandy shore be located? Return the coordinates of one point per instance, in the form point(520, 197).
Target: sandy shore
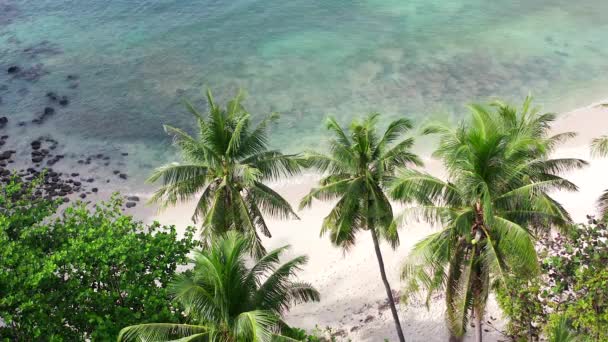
point(353, 298)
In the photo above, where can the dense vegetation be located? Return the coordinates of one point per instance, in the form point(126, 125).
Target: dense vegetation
point(83, 274)
point(72, 272)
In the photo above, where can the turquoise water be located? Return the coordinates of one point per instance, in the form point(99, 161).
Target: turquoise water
point(136, 59)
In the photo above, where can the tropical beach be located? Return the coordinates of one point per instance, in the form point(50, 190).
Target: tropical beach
point(353, 300)
point(416, 158)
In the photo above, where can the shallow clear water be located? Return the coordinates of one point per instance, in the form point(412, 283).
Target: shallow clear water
point(136, 59)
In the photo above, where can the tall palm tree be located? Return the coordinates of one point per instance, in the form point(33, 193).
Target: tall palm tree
point(226, 164)
point(499, 173)
point(357, 168)
point(599, 147)
point(227, 301)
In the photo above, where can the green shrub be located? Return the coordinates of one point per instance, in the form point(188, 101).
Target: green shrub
point(81, 273)
point(572, 288)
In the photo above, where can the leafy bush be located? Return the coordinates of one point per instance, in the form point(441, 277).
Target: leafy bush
point(520, 302)
point(81, 274)
point(573, 287)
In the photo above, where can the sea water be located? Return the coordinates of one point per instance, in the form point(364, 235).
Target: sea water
point(130, 63)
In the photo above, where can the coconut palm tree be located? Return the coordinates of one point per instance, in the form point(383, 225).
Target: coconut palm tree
point(226, 165)
point(599, 148)
point(227, 301)
point(357, 168)
point(498, 176)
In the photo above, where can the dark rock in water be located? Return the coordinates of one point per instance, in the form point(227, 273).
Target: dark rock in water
point(13, 69)
point(33, 73)
point(77, 183)
point(123, 176)
point(90, 180)
point(21, 123)
point(83, 196)
point(3, 121)
point(130, 204)
point(5, 172)
point(133, 199)
point(72, 77)
point(125, 154)
point(48, 111)
point(66, 200)
point(5, 155)
point(75, 174)
point(94, 189)
point(64, 101)
point(51, 95)
point(37, 159)
point(4, 137)
point(116, 172)
point(36, 145)
point(74, 85)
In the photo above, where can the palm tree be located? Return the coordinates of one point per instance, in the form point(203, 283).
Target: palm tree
point(227, 301)
point(499, 173)
point(226, 164)
point(357, 168)
point(599, 147)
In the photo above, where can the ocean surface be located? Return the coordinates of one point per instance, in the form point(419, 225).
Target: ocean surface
point(126, 65)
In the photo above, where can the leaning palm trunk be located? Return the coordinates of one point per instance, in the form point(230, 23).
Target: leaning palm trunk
point(478, 321)
point(387, 286)
point(358, 165)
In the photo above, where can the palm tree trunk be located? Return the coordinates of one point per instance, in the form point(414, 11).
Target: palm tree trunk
point(387, 286)
point(478, 320)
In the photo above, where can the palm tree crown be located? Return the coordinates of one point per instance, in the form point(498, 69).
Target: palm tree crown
point(599, 148)
point(227, 164)
point(499, 173)
point(357, 169)
point(227, 301)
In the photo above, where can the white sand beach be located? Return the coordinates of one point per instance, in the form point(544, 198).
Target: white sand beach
point(353, 298)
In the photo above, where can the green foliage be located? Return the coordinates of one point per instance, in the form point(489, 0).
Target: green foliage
point(357, 169)
point(227, 164)
point(226, 301)
point(499, 174)
point(297, 334)
point(560, 330)
point(520, 302)
point(358, 166)
point(81, 274)
point(569, 299)
point(577, 279)
point(599, 148)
